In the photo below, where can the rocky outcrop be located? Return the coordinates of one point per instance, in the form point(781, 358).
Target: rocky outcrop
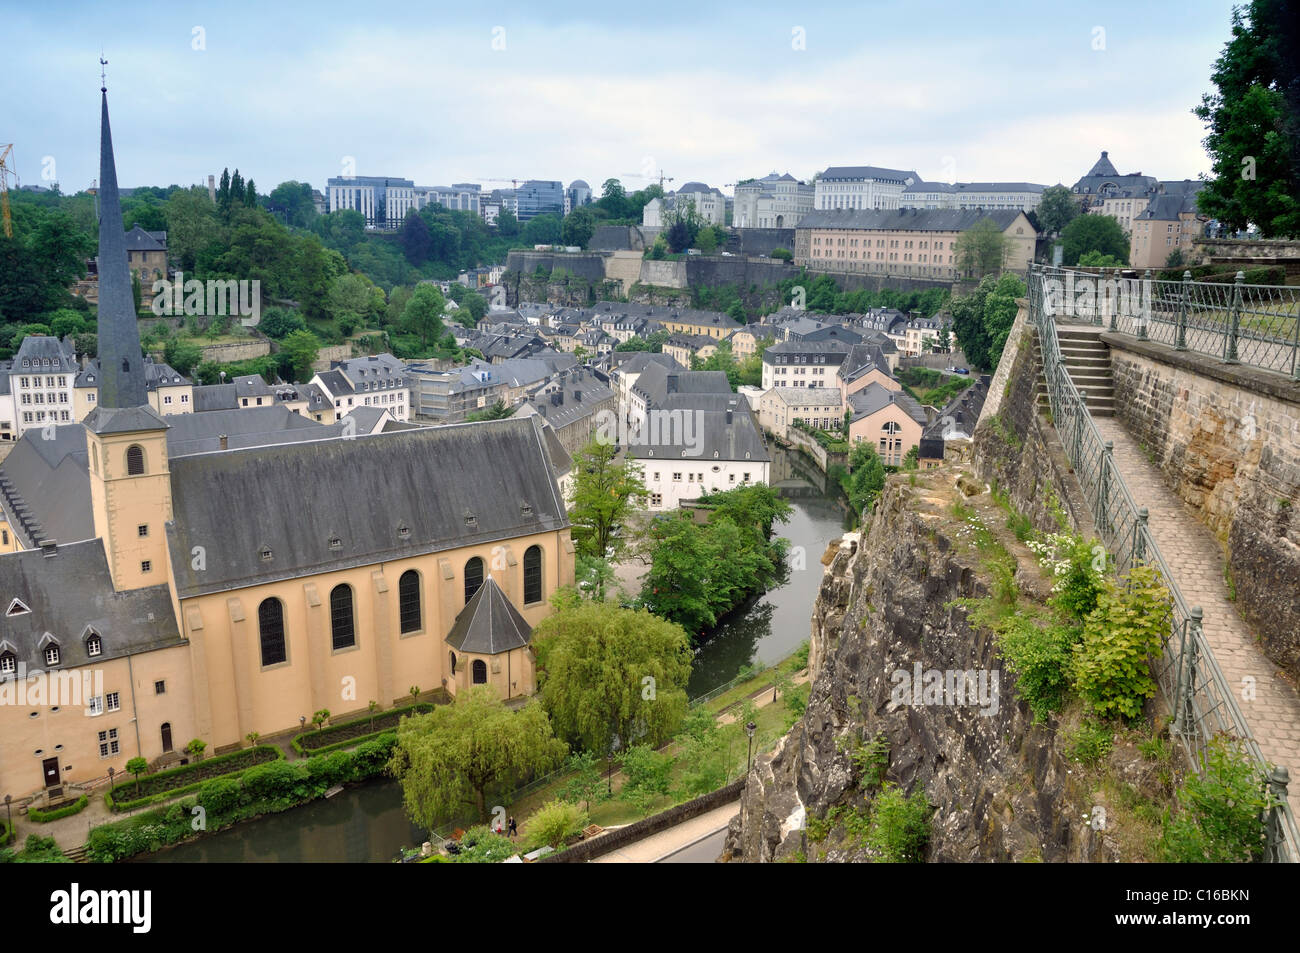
point(1000, 788)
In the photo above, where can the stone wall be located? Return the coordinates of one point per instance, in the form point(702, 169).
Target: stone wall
point(1016, 447)
point(236, 350)
point(589, 265)
point(1215, 248)
point(1227, 440)
point(855, 281)
point(663, 274)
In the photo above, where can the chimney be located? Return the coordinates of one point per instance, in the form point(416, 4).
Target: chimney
point(212, 189)
point(225, 441)
point(49, 547)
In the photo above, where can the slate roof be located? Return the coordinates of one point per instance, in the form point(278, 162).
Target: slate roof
point(908, 219)
point(489, 624)
point(711, 435)
point(137, 239)
point(852, 172)
point(71, 591)
point(40, 348)
point(874, 397)
point(428, 480)
point(243, 427)
point(45, 487)
point(657, 383)
point(210, 397)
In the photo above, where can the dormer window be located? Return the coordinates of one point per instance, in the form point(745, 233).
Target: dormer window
point(94, 646)
point(8, 665)
point(336, 542)
point(52, 655)
point(265, 554)
point(403, 532)
point(17, 608)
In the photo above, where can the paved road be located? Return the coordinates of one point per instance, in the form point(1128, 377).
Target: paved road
point(1196, 561)
point(701, 852)
point(651, 849)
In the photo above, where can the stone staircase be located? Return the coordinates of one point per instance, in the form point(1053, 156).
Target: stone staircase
point(77, 854)
point(1087, 361)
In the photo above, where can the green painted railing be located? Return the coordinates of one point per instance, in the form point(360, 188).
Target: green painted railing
point(1189, 677)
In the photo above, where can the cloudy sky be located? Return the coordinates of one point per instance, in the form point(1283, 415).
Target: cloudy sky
point(470, 92)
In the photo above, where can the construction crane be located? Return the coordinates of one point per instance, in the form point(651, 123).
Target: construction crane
point(662, 177)
point(6, 153)
point(514, 183)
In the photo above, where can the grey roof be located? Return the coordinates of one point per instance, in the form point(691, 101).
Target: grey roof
point(691, 187)
point(122, 382)
point(135, 419)
point(656, 383)
point(210, 397)
point(489, 624)
point(723, 429)
point(71, 593)
point(137, 239)
point(571, 407)
point(908, 219)
point(1169, 208)
point(429, 480)
point(160, 374)
point(840, 172)
point(243, 427)
point(875, 397)
point(40, 348)
point(1103, 166)
point(634, 362)
point(335, 383)
point(45, 487)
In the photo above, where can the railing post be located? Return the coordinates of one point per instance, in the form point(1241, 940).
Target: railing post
point(1139, 536)
point(1103, 487)
point(1112, 299)
point(1079, 425)
point(1275, 850)
point(1185, 711)
point(1181, 342)
point(1234, 322)
point(1145, 306)
point(1295, 351)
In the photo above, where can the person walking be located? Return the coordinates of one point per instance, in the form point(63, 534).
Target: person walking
point(513, 830)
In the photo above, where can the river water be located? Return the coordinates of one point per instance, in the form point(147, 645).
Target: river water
point(366, 823)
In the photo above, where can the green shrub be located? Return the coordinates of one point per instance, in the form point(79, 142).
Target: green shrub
point(371, 758)
point(219, 795)
point(1219, 817)
point(1090, 742)
point(173, 781)
point(871, 758)
point(1078, 568)
point(552, 824)
point(1120, 636)
point(67, 810)
point(479, 845)
point(1040, 657)
point(900, 826)
point(36, 850)
point(350, 732)
point(269, 781)
point(330, 769)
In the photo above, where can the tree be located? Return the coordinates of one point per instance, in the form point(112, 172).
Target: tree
point(1175, 259)
point(584, 784)
point(182, 357)
point(968, 324)
point(196, 747)
point(300, 349)
point(609, 674)
point(683, 226)
point(866, 476)
point(498, 411)
point(648, 775)
point(449, 757)
point(981, 249)
point(277, 323)
point(542, 230)
point(415, 238)
point(1056, 209)
point(1000, 314)
point(782, 254)
point(137, 767)
point(423, 314)
point(578, 227)
point(319, 718)
point(294, 201)
point(605, 493)
point(1095, 259)
point(707, 240)
point(552, 824)
point(507, 224)
point(1253, 123)
point(350, 295)
point(1099, 233)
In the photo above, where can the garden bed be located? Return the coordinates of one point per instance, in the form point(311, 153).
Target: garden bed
point(353, 732)
point(124, 796)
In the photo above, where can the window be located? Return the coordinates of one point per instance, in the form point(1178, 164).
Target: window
point(146, 565)
point(532, 575)
point(479, 670)
point(52, 655)
point(134, 460)
point(342, 626)
point(408, 602)
point(473, 577)
point(656, 500)
point(112, 701)
point(7, 664)
point(270, 625)
point(108, 744)
point(160, 688)
point(94, 646)
point(96, 705)
point(142, 530)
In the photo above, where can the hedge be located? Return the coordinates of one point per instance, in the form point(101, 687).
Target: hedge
point(350, 732)
point(188, 777)
point(67, 810)
point(6, 832)
point(262, 789)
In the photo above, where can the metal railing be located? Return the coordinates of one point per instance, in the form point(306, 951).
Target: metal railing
point(1188, 675)
point(1237, 323)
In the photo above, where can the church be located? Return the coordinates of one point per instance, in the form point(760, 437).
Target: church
point(157, 586)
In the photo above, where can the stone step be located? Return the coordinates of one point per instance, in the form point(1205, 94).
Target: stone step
point(77, 854)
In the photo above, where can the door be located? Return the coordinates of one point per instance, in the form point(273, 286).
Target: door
point(50, 771)
point(167, 736)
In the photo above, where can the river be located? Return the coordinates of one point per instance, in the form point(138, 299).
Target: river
point(366, 823)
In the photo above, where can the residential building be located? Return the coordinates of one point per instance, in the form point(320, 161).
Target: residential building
point(576, 404)
point(889, 420)
point(1103, 181)
point(861, 187)
point(1024, 196)
point(378, 380)
point(804, 363)
point(686, 347)
point(41, 381)
point(904, 242)
point(710, 206)
point(1168, 224)
point(780, 408)
point(956, 421)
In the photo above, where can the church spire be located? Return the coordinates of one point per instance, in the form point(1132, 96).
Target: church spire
point(121, 366)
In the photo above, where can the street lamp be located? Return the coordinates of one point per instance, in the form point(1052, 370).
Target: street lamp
point(749, 758)
point(10, 811)
point(302, 722)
